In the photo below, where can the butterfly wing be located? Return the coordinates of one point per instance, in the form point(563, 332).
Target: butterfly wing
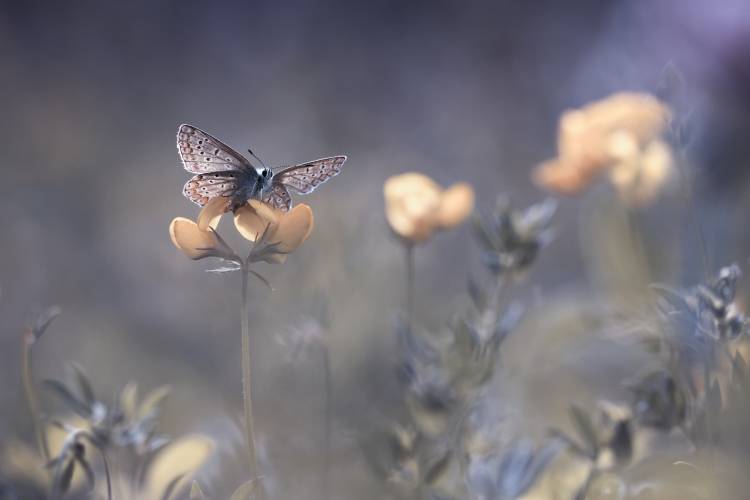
point(278, 197)
point(201, 153)
point(305, 177)
point(203, 187)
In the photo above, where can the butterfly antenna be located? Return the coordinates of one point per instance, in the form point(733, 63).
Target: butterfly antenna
point(256, 157)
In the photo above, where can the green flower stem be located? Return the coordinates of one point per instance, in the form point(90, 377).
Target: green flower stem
point(246, 386)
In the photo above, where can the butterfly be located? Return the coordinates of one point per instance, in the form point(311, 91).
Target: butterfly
point(221, 171)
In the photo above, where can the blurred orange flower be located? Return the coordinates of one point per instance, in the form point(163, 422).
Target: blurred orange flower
point(619, 136)
point(416, 206)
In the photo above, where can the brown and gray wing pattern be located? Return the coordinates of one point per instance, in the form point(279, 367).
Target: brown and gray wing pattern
point(278, 197)
point(202, 153)
point(203, 187)
point(305, 177)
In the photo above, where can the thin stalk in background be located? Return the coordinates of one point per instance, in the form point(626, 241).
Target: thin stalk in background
point(28, 388)
point(107, 470)
point(409, 283)
point(107, 473)
point(246, 386)
point(590, 477)
point(328, 417)
point(688, 194)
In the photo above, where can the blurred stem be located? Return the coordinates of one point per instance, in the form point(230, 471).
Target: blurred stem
point(584, 491)
point(496, 302)
point(246, 386)
point(28, 389)
point(107, 473)
point(638, 241)
point(409, 282)
point(502, 287)
point(328, 416)
point(687, 187)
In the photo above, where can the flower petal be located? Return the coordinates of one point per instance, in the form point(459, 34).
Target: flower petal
point(639, 181)
point(456, 205)
point(561, 177)
point(401, 185)
point(211, 213)
point(252, 219)
point(294, 228)
point(609, 133)
point(187, 236)
point(412, 202)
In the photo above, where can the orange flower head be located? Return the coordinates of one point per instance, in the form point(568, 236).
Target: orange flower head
point(619, 136)
point(416, 206)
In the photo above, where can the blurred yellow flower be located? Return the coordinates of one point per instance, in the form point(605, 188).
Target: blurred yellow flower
point(416, 206)
point(199, 240)
point(275, 233)
point(619, 136)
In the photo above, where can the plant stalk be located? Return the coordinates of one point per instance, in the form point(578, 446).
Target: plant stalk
point(247, 388)
point(328, 417)
point(689, 198)
point(28, 388)
point(410, 283)
point(107, 474)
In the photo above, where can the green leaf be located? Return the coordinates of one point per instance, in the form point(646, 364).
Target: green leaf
point(63, 476)
point(246, 491)
point(84, 385)
point(44, 320)
point(484, 238)
point(152, 402)
point(68, 397)
point(261, 278)
point(129, 400)
point(88, 470)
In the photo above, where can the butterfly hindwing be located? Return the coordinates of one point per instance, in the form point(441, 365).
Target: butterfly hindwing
point(201, 153)
point(305, 177)
point(278, 197)
point(203, 187)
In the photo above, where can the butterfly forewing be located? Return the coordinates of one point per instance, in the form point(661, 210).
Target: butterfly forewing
point(203, 187)
point(201, 153)
point(305, 177)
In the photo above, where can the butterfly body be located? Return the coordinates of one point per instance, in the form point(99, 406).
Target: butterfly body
point(221, 171)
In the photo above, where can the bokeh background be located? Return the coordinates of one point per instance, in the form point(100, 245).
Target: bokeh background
point(93, 92)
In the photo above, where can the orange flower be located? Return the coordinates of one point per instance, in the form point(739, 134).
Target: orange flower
point(639, 178)
point(200, 240)
point(416, 206)
point(620, 136)
point(275, 233)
